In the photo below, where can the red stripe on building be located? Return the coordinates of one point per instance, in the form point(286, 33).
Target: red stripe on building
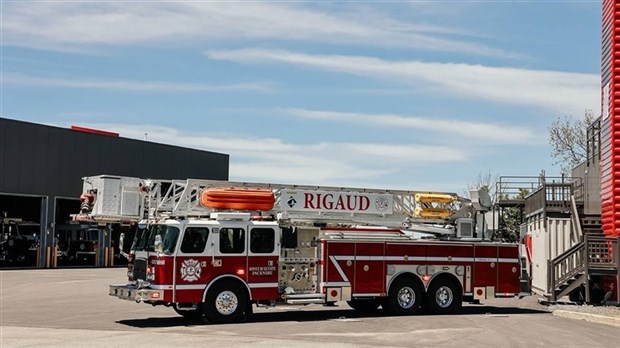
point(94, 131)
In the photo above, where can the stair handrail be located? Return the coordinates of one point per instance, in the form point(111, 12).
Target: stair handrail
point(560, 270)
point(576, 222)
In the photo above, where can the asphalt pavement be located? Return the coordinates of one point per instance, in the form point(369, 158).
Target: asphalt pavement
point(71, 307)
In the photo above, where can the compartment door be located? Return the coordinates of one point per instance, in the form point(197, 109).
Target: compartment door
point(485, 268)
point(263, 256)
point(369, 269)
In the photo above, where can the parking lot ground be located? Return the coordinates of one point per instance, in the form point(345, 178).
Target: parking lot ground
point(71, 307)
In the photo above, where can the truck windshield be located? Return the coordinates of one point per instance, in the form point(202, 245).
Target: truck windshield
point(141, 235)
point(168, 234)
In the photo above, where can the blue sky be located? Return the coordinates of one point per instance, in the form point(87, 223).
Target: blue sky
point(412, 95)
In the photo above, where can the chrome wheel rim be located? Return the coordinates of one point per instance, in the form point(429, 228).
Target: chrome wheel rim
point(406, 297)
point(444, 297)
point(226, 302)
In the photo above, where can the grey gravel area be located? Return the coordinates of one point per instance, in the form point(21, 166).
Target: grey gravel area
point(610, 311)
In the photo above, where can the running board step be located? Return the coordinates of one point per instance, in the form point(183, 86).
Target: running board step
point(306, 301)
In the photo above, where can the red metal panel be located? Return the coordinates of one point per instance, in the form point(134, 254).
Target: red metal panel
point(610, 127)
point(199, 285)
point(264, 293)
point(485, 267)
point(187, 296)
point(369, 268)
point(191, 284)
point(229, 265)
point(412, 250)
point(333, 266)
point(163, 269)
point(453, 252)
point(263, 270)
point(509, 270)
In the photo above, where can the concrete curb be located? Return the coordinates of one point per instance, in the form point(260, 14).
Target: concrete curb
point(600, 319)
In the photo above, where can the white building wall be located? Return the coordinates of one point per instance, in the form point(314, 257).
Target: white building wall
point(547, 243)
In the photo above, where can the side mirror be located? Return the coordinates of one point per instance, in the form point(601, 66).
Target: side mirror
point(159, 246)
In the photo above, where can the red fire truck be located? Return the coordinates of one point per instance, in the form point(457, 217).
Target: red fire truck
point(214, 248)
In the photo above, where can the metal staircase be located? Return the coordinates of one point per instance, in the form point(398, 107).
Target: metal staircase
point(567, 272)
point(594, 256)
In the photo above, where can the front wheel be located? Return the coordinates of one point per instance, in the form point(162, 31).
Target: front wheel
point(226, 302)
point(404, 297)
point(443, 297)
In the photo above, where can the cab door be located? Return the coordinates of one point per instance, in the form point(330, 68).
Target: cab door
point(263, 256)
point(192, 263)
point(229, 249)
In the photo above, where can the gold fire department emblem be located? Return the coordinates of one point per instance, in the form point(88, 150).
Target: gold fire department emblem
point(190, 270)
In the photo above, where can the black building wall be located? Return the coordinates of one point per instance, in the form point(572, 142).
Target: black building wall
point(50, 161)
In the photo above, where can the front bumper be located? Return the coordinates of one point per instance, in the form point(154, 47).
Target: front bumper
point(132, 293)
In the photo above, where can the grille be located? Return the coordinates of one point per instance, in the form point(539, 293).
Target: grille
point(139, 269)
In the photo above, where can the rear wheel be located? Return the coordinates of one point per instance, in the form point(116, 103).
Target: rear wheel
point(404, 297)
point(226, 302)
point(443, 297)
point(364, 306)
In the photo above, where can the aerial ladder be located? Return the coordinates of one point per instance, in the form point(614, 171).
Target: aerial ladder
point(112, 199)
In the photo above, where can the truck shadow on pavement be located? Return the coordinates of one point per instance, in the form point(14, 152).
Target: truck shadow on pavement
point(301, 315)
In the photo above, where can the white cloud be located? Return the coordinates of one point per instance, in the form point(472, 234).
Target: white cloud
point(75, 25)
point(561, 92)
point(12, 79)
point(325, 163)
point(493, 133)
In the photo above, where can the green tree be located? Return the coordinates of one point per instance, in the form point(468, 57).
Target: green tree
point(510, 220)
point(568, 139)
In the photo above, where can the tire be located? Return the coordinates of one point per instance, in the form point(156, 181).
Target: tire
point(364, 306)
point(404, 297)
point(443, 296)
point(226, 302)
point(192, 314)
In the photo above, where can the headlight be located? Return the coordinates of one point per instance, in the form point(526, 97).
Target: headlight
point(82, 246)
